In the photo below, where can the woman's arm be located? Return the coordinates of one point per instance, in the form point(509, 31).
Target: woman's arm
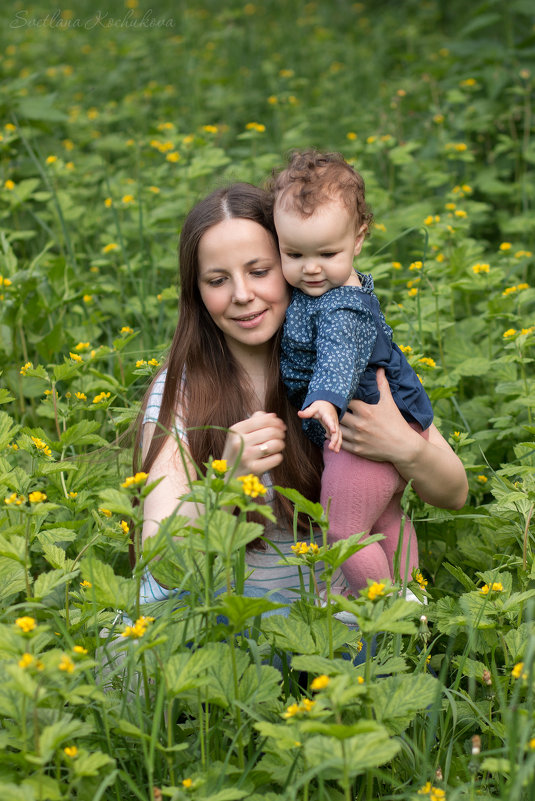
point(380, 433)
point(262, 436)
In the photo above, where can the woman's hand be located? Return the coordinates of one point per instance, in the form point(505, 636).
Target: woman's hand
point(255, 445)
point(379, 432)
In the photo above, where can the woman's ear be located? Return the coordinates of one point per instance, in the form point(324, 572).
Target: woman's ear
point(359, 239)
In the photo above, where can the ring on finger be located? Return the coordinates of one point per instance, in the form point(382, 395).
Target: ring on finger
point(263, 449)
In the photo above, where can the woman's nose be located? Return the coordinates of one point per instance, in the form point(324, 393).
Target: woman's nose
point(242, 292)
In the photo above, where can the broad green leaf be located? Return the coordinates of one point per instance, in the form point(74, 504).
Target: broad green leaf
point(224, 533)
point(240, 608)
point(284, 735)
point(187, 670)
point(8, 428)
point(109, 589)
point(14, 548)
point(54, 735)
point(91, 764)
point(313, 510)
point(398, 698)
point(17, 792)
point(258, 685)
point(45, 583)
point(289, 634)
point(82, 433)
point(328, 757)
point(116, 501)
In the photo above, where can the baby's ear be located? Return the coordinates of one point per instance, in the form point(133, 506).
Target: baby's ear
point(359, 239)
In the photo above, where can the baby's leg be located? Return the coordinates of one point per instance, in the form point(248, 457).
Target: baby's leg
point(389, 524)
point(361, 491)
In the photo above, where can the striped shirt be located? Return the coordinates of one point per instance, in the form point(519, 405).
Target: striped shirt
point(267, 572)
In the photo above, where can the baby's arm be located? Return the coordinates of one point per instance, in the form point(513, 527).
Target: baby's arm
point(327, 414)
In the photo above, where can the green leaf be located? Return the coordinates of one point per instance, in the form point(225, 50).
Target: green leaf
point(45, 583)
point(109, 590)
point(185, 671)
point(82, 434)
point(56, 734)
point(17, 792)
point(337, 553)
point(43, 108)
point(91, 764)
point(398, 698)
point(313, 510)
point(239, 608)
point(328, 757)
point(224, 533)
point(8, 429)
point(289, 634)
point(116, 501)
point(460, 575)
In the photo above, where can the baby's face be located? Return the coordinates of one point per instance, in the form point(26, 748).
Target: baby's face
point(317, 252)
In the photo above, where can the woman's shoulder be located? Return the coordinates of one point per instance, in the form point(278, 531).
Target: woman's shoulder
point(154, 401)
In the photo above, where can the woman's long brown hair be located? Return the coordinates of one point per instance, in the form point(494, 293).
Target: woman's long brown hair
point(217, 392)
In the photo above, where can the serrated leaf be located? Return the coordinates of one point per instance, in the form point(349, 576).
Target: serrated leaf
point(397, 699)
point(240, 608)
point(329, 758)
point(91, 764)
point(8, 428)
point(81, 433)
point(56, 734)
point(289, 634)
point(45, 583)
point(116, 501)
point(109, 589)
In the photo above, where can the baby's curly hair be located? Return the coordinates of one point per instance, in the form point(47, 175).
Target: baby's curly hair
point(312, 178)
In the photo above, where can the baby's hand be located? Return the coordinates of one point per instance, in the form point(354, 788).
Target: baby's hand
point(327, 414)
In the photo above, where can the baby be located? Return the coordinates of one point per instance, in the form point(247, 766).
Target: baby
point(335, 337)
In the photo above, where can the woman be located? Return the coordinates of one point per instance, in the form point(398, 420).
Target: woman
point(223, 370)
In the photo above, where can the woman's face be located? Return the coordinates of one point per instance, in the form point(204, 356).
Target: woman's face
point(241, 282)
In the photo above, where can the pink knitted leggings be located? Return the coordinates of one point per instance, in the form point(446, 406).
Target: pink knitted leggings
point(366, 497)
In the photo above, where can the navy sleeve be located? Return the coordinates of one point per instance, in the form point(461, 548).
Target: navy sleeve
point(345, 341)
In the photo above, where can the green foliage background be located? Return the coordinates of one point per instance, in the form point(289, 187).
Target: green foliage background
point(115, 121)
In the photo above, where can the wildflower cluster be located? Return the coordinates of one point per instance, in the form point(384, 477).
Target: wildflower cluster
point(41, 446)
point(510, 290)
point(252, 486)
point(496, 586)
point(480, 268)
point(255, 126)
point(37, 497)
point(303, 548)
point(26, 624)
point(320, 682)
point(133, 481)
point(101, 397)
point(375, 591)
point(419, 579)
point(138, 629)
point(219, 466)
point(14, 499)
point(296, 709)
point(434, 793)
point(518, 671)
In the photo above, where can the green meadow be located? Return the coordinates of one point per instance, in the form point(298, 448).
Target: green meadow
point(115, 120)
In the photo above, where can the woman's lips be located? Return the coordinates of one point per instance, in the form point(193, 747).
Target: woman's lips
point(250, 320)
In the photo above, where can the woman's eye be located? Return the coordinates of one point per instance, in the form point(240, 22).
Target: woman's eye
point(216, 282)
point(259, 273)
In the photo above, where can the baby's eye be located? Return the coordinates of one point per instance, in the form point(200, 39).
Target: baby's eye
point(293, 255)
point(328, 255)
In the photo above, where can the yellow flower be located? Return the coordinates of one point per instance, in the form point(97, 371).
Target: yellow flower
point(468, 82)
point(9, 184)
point(10, 127)
point(351, 135)
point(15, 499)
point(320, 682)
point(126, 330)
point(397, 265)
point(219, 466)
point(496, 586)
point(108, 202)
point(481, 268)
point(360, 680)
point(79, 649)
point(51, 159)
point(66, 664)
point(73, 495)
point(26, 624)
point(153, 362)
point(128, 199)
point(173, 157)
point(111, 246)
point(520, 287)
point(105, 512)
point(41, 446)
point(413, 292)
point(523, 254)
point(75, 357)
point(252, 486)
point(531, 744)
point(285, 73)
point(302, 548)
point(380, 226)
point(518, 671)
point(124, 526)
point(25, 660)
point(255, 126)
point(80, 395)
point(138, 629)
point(87, 298)
point(482, 479)
point(141, 363)
point(438, 118)
point(405, 349)
point(82, 346)
point(375, 590)
point(70, 751)
point(86, 584)
point(505, 246)
point(427, 361)
point(37, 497)
point(419, 579)
point(135, 481)
point(416, 265)
point(25, 367)
point(460, 213)
point(154, 189)
point(509, 333)
point(292, 710)
point(5, 281)
point(434, 793)
point(101, 397)
point(187, 783)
